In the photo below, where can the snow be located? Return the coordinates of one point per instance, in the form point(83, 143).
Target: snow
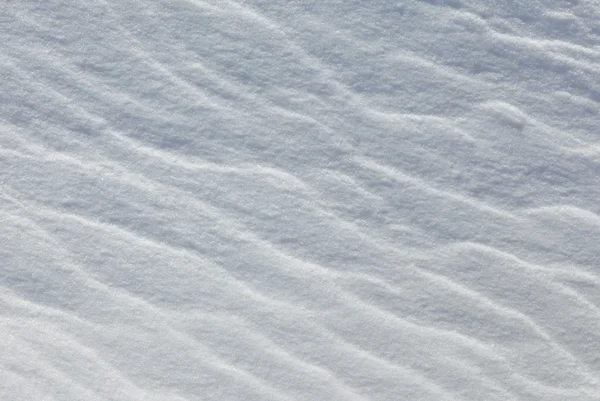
point(299, 200)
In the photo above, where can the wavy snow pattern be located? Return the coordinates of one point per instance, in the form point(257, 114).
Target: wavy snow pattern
point(252, 200)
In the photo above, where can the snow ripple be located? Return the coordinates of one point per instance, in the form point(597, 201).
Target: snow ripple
point(250, 200)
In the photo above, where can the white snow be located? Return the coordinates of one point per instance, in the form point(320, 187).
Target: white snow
point(299, 200)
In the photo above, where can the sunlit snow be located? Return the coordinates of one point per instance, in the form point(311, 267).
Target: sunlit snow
point(299, 200)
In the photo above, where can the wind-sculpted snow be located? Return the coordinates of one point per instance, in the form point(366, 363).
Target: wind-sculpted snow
point(299, 200)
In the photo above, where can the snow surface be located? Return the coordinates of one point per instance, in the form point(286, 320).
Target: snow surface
point(299, 200)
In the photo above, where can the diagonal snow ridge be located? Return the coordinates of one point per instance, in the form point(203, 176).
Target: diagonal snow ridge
point(269, 200)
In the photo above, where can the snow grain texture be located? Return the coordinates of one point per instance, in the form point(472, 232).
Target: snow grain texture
point(292, 200)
